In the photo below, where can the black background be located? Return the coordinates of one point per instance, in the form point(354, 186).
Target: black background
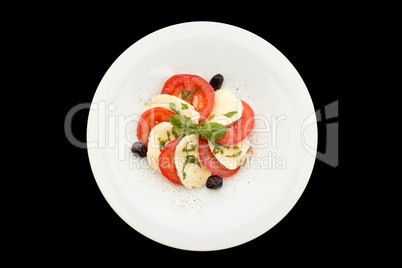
point(80, 221)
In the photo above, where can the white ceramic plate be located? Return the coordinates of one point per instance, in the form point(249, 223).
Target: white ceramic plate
point(251, 202)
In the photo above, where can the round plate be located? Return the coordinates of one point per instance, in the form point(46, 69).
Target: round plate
point(283, 142)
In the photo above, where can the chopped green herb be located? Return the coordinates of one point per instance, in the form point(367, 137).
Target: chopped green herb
point(186, 94)
point(230, 114)
point(162, 142)
point(189, 159)
point(218, 148)
point(174, 108)
point(192, 159)
point(210, 117)
point(193, 146)
point(236, 154)
point(218, 145)
point(212, 131)
point(184, 106)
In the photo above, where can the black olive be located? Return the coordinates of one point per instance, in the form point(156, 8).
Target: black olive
point(216, 81)
point(214, 182)
point(139, 149)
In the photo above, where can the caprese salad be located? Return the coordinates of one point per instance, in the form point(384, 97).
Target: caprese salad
point(194, 133)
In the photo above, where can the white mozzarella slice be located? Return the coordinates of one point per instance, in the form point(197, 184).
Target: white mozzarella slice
point(230, 156)
point(157, 137)
point(191, 175)
point(227, 107)
point(164, 101)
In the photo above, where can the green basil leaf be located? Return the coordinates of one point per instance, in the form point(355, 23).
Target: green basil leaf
point(212, 131)
point(181, 121)
point(230, 114)
point(174, 108)
point(183, 125)
point(191, 131)
point(184, 106)
point(210, 117)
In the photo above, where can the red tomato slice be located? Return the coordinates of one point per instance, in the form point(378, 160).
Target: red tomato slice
point(166, 162)
point(211, 163)
point(202, 99)
point(148, 120)
point(240, 129)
